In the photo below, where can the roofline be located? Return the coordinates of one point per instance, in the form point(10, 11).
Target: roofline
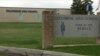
point(34, 8)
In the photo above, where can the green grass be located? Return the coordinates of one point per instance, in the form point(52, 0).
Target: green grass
point(83, 50)
point(21, 34)
point(29, 35)
point(72, 40)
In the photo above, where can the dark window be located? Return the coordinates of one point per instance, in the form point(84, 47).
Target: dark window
point(24, 11)
point(32, 11)
point(13, 10)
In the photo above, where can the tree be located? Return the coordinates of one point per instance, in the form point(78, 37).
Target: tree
point(80, 7)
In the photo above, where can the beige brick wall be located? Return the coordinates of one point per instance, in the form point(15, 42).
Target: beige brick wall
point(17, 17)
point(26, 17)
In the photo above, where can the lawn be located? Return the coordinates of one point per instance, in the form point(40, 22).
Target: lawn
point(21, 34)
point(29, 35)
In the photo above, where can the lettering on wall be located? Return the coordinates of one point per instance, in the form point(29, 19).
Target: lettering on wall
point(23, 11)
point(76, 26)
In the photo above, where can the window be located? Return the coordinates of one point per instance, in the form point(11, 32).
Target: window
point(23, 11)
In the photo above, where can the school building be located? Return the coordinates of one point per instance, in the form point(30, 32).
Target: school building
point(15, 14)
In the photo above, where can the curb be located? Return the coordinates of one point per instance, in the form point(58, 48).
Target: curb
point(13, 51)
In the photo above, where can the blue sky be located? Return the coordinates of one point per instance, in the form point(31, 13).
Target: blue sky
point(41, 3)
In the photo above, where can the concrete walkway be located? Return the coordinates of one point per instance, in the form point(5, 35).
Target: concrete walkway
point(13, 51)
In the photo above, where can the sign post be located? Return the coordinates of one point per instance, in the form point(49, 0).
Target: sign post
point(47, 39)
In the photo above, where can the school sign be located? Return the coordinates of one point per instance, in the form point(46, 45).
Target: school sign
point(69, 26)
point(76, 26)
